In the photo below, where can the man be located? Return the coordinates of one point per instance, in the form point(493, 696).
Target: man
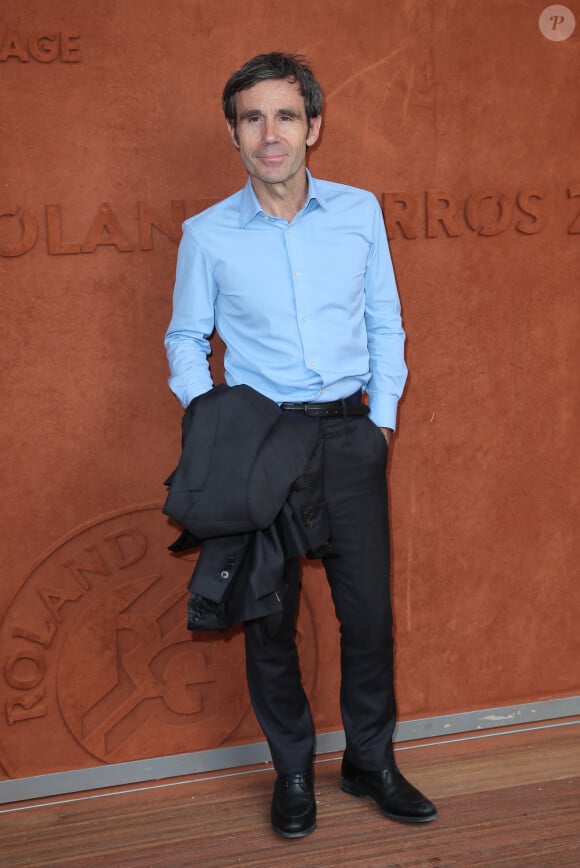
point(295, 275)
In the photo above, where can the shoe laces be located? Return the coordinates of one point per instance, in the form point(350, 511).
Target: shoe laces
point(294, 778)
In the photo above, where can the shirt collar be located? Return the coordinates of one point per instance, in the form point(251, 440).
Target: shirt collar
point(314, 192)
point(249, 205)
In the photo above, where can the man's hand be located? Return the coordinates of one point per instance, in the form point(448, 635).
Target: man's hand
point(387, 433)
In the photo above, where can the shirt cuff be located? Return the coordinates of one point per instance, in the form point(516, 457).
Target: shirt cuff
point(383, 410)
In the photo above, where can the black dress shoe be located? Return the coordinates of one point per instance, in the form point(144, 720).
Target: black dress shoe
point(395, 796)
point(293, 805)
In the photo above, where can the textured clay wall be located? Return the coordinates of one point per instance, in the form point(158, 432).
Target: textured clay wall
point(463, 119)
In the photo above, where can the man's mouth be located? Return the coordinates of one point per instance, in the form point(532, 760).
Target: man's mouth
point(271, 158)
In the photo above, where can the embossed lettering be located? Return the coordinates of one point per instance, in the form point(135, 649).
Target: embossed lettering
point(99, 567)
point(13, 47)
point(69, 48)
point(400, 209)
point(170, 228)
point(442, 209)
point(105, 229)
point(487, 212)
point(131, 550)
point(530, 202)
point(55, 599)
point(497, 222)
point(24, 670)
point(44, 640)
point(28, 232)
point(26, 707)
point(43, 47)
point(54, 233)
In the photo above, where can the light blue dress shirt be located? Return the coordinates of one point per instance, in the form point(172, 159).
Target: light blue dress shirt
point(308, 310)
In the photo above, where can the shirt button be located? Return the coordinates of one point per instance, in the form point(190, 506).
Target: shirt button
point(304, 319)
point(288, 232)
point(296, 274)
point(313, 363)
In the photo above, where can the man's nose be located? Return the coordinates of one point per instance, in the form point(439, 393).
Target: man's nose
point(270, 130)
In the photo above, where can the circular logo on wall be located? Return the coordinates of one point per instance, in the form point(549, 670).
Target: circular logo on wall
point(98, 663)
point(557, 23)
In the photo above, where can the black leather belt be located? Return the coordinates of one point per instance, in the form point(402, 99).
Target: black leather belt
point(350, 406)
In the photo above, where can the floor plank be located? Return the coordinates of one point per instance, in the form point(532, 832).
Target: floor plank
point(507, 800)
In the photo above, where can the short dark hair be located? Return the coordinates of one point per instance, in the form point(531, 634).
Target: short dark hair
point(275, 65)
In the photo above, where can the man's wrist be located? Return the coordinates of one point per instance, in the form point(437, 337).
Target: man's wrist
point(387, 433)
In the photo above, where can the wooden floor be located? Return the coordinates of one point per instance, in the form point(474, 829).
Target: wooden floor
point(509, 800)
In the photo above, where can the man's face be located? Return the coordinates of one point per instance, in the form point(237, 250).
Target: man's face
point(272, 131)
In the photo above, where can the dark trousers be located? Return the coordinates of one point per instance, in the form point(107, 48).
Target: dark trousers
point(357, 569)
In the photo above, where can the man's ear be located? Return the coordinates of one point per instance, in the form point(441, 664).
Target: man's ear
point(314, 130)
point(233, 134)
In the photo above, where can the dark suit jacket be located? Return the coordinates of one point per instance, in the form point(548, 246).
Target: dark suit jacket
point(248, 487)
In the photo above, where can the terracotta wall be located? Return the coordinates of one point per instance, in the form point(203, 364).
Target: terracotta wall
point(463, 118)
